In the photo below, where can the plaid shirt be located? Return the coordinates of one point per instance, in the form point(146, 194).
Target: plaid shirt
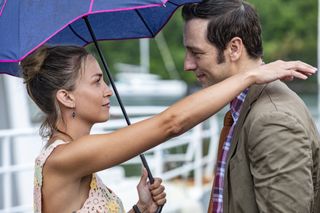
point(217, 195)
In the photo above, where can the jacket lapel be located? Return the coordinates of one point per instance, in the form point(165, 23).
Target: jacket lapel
point(253, 94)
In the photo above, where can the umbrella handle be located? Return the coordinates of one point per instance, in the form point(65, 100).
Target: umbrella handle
point(105, 66)
point(151, 179)
point(159, 210)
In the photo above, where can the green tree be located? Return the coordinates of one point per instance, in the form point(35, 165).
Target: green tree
point(289, 29)
point(289, 32)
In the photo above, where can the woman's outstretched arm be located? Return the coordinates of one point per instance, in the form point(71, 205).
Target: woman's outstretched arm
point(97, 152)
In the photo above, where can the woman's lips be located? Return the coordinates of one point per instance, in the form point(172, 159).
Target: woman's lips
point(106, 105)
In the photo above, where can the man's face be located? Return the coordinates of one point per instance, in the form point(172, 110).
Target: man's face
point(201, 56)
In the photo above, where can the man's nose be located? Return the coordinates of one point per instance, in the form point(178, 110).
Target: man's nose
point(189, 63)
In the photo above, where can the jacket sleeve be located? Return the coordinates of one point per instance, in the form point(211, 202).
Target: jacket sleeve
point(280, 157)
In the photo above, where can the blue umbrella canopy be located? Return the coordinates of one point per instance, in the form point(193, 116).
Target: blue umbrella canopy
point(26, 25)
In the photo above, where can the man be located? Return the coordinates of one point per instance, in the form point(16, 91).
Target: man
point(270, 160)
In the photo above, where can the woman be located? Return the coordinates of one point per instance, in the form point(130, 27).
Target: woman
point(67, 84)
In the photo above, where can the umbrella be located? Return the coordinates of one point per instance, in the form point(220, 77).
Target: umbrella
point(26, 25)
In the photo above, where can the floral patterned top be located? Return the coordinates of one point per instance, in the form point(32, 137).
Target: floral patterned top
point(100, 199)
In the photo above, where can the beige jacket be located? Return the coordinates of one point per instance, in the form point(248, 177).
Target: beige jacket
point(274, 160)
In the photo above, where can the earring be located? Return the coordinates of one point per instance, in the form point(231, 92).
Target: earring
point(73, 114)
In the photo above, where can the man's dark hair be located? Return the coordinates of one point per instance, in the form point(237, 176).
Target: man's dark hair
point(228, 19)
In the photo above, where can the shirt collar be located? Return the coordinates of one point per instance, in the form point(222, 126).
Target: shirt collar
point(236, 104)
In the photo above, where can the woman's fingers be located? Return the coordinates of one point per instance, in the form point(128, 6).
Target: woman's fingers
point(293, 65)
point(289, 75)
point(157, 191)
point(157, 182)
point(299, 66)
point(284, 70)
point(161, 201)
point(156, 188)
point(160, 198)
point(297, 74)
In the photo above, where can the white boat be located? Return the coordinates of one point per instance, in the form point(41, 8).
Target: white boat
point(149, 85)
point(139, 88)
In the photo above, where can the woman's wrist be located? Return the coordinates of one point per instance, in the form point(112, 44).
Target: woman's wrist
point(135, 209)
point(250, 77)
point(142, 208)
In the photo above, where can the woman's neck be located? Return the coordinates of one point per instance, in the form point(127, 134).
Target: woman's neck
point(73, 130)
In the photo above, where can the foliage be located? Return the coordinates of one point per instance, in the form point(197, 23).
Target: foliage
point(289, 30)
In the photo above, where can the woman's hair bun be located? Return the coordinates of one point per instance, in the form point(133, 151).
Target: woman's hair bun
point(32, 64)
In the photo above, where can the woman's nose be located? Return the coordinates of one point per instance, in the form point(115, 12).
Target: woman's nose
point(107, 92)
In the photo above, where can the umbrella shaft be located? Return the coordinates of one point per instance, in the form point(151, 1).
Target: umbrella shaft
point(105, 66)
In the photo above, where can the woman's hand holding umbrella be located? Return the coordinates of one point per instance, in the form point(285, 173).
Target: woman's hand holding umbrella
point(151, 196)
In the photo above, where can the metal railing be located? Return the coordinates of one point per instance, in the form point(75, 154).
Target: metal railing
point(178, 157)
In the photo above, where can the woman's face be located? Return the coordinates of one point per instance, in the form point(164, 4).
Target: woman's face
point(92, 94)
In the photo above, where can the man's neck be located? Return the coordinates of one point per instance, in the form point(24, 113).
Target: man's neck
point(246, 65)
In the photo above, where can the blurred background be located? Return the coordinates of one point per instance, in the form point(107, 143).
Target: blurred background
point(149, 75)
point(289, 33)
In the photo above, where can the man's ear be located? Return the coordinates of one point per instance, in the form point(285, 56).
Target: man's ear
point(66, 98)
point(235, 48)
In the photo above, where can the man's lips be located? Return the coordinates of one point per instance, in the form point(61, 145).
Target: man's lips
point(199, 76)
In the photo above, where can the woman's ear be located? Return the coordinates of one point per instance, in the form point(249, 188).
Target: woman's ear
point(235, 47)
point(66, 98)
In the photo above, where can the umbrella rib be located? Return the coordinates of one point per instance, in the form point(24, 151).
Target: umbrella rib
point(173, 3)
point(145, 23)
point(78, 35)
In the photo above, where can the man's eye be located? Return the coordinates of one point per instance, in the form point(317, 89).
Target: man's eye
point(196, 53)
